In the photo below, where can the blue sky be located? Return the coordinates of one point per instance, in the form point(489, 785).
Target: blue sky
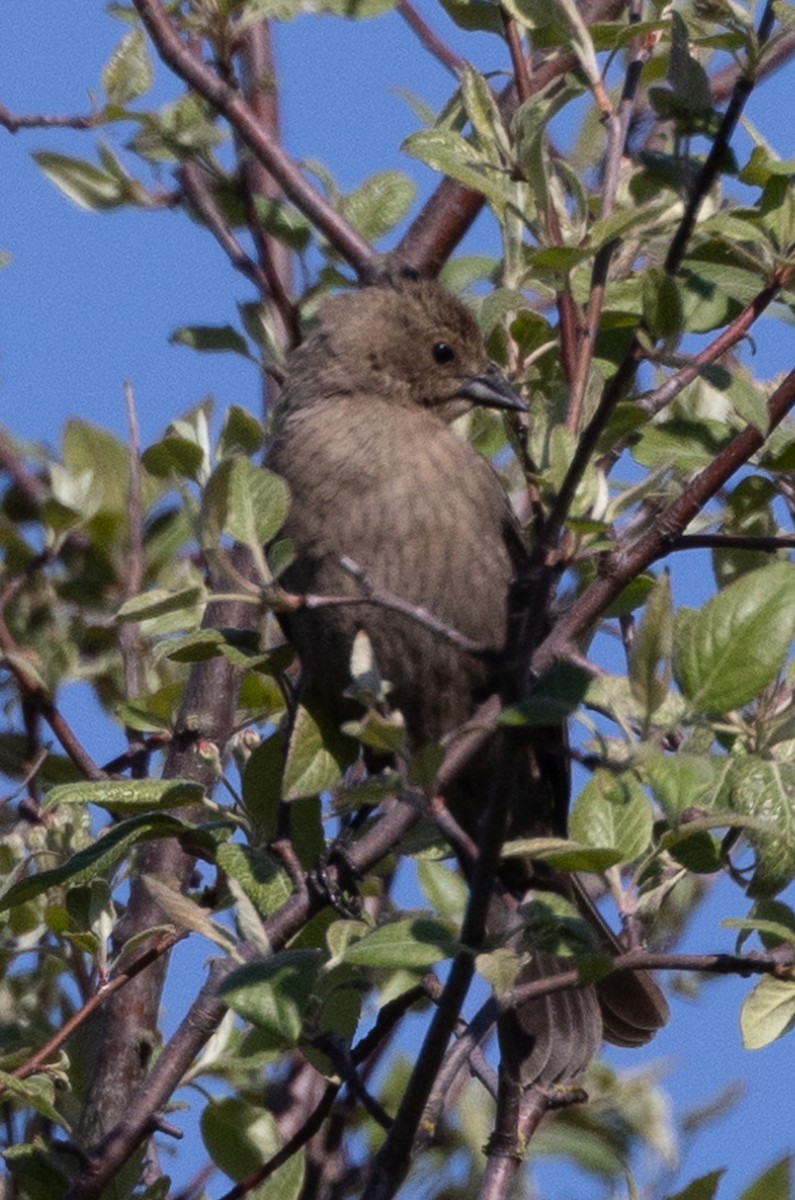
point(90, 300)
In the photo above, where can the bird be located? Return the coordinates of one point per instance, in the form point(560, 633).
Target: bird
point(378, 476)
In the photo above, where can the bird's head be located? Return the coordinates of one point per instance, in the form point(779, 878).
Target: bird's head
point(408, 341)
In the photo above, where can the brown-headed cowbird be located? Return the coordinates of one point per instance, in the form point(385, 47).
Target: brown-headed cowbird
point(378, 475)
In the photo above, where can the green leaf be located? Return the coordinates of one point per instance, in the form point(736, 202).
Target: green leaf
point(652, 649)
point(174, 456)
point(475, 15)
point(702, 1188)
point(773, 932)
point(613, 812)
point(87, 447)
point(555, 696)
point(213, 339)
point(768, 1012)
point(241, 647)
point(81, 182)
point(258, 872)
point(128, 72)
point(275, 994)
point(443, 888)
point(98, 858)
point(687, 77)
point(245, 501)
point(262, 788)
point(241, 434)
point(728, 651)
point(38, 1093)
point(765, 789)
point(662, 304)
point(156, 711)
point(127, 796)
point(240, 1137)
point(449, 152)
point(773, 1184)
point(316, 756)
point(283, 221)
point(158, 602)
point(559, 258)
point(185, 914)
point(483, 113)
point(682, 781)
point(380, 203)
point(414, 942)
point(31, 1165)
point(563, 854)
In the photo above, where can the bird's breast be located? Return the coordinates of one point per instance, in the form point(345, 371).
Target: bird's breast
point(423, 516)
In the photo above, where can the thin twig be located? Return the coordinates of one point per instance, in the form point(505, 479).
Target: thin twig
point(392, 1161)
point(617, 125)
point(626, 562)
point(13, 122)
point(617, 385)
point(777, 963)
point(12, 658)
point(195, 185)
point(430, 40)
point(732, 541)
point(38, 1061)
point(518, 57)
point(714, 160)
point(381, 598)
point(179, 57)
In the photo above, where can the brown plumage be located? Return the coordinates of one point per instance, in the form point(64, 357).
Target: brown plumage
point(378, 475)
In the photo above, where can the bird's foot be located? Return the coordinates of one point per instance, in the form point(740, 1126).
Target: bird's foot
point(336, 879)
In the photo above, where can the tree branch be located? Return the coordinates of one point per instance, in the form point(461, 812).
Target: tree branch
point(179, 57)
point(623, 564)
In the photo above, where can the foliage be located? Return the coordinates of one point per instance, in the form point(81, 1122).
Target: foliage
point(122, 569)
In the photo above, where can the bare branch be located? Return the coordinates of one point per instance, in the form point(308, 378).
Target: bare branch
point(431, 41)
point(712, 165)
point(199, 194)
point(184, 63)
point(521, 75)
point(777, 963)
point(731, 541)
point(13, 122)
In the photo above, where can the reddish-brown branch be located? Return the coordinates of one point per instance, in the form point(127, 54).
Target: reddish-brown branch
point(777, 963)
point(189, 67)
point(521, 75)
point(38, 1061)
point(199, 195)
point(655, 401)
point(13, 122)
point(430, 40)
point(731, 541)
point(34, 694)
point(626, 562)
point(275, 258)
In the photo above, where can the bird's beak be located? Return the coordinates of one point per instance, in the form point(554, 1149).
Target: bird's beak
point(491, 390)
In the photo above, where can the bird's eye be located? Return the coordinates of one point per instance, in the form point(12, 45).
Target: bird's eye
point(443, 353)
